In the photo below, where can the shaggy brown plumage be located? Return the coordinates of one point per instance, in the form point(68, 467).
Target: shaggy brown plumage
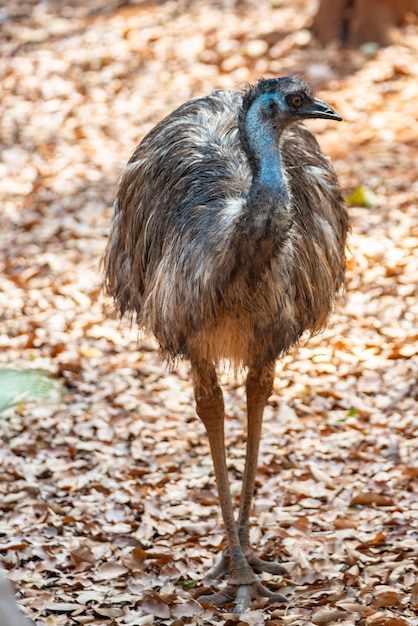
point(228, 242)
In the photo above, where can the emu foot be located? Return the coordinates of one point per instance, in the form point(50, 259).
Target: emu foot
point(258, 565)
point(243, 588)
point(241, 595)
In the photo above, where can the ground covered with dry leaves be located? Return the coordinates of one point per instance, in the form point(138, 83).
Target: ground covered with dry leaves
point(108, 509)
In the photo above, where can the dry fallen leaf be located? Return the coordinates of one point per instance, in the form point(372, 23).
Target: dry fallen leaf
point(154, 605)
point(414, 595)
point(386, 597)
point(327, 616)
point(110, 570)
point(367, 498)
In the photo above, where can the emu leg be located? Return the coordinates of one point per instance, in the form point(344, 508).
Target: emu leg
point(210, 408)
point(259, 386)
point(243, 585)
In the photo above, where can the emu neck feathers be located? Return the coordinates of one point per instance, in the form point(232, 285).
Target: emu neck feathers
point(268, 190)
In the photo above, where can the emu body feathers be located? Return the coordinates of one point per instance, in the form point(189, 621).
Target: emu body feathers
point(204, 273)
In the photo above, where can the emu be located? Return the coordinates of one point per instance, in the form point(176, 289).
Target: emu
point(227, 243)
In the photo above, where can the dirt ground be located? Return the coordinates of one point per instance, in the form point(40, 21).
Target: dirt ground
point(108, 508)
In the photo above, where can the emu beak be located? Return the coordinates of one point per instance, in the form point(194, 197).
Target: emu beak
point(322, 110)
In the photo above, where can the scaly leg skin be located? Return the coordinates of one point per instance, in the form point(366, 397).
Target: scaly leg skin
point(243, 585)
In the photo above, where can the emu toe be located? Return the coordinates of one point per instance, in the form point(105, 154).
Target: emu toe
point(241, 595)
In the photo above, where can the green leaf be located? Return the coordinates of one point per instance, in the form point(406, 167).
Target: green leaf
point(22, 386)
point(362, 197)
point(187, 584)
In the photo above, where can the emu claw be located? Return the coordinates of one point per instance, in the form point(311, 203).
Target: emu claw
point(242, 596)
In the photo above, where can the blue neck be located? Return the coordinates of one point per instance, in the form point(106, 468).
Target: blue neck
point(269, 184)
point(269, 177)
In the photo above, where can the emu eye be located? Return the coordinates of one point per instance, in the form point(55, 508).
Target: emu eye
point(296, 100)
